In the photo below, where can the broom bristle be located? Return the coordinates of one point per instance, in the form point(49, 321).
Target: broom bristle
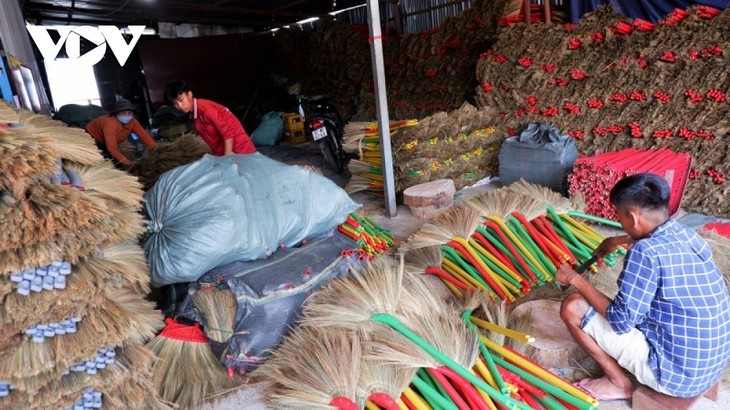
point(358, 167)
point(456, 222)
point(186, 373)
point(546, 195)
point(312, 366)
point(218, 308)
point(379, 377)
point(351, 300)
point(417, 260)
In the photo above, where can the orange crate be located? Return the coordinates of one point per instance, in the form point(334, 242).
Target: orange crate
point(293, 122)
point(295, 137)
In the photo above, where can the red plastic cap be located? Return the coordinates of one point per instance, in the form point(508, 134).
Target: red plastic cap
point(178, 331)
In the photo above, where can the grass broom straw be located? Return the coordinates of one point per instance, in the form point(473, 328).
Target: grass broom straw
point(316, 368)
point(186, 371)
point(428, 260)
point(218, 308)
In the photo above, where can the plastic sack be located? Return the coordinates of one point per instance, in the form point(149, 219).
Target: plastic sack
point(75, 115)
point(270, 131)
point(270, 295)
point(238, 207)
point(540, 155)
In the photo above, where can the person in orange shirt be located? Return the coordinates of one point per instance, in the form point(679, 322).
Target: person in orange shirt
point(219, 128)
point(111, 130)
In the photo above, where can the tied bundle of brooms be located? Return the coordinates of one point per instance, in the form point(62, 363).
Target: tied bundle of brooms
point(187, 372)
point(168, 155)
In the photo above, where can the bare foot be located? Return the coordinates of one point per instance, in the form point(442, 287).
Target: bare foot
point(602, 389)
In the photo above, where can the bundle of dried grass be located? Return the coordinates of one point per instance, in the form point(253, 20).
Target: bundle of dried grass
point(102, 181)
point(8, 115)
point(184, 150)
point(217, 307)
point(349, 301)
point(545, 196)
point(504, 201)
point(24, 157)
point(46, 211)
point(456, 222)
point(186, 371)
point(313, 368)
point(73, 144)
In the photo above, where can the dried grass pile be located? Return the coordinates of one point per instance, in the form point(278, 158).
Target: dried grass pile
point(168, 155)
point(88, 330)
point(613, 83)
point(428, 72)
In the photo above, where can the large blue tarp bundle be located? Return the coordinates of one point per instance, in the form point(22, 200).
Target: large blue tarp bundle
point(218, 210)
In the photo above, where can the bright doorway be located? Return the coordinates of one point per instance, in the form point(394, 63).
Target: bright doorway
point(72, 83)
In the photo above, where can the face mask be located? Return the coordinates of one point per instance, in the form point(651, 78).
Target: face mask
point(124, 119)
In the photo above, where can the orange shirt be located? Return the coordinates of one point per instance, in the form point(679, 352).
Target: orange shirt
point(109, 131)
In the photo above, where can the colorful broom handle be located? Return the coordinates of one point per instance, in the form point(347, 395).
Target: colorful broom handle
point(432, 395)
point(396, 324)
point(466, 317)
point(595, 219)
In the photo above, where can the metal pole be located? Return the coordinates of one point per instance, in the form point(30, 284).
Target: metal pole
point(381, 106)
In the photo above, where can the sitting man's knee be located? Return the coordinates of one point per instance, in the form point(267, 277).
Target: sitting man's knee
point(573, 308)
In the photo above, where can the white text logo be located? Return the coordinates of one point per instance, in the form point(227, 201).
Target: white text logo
point(71, 36)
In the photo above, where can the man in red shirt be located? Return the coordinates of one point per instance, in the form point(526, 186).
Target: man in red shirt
point(111, 130)
point(219, 128)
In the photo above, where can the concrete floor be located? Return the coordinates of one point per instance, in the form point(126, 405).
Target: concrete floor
point(402, 226)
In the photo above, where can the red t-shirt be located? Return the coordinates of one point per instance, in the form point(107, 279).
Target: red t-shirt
point(216, 124)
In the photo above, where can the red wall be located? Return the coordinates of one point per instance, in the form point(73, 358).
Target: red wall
point(220, 68)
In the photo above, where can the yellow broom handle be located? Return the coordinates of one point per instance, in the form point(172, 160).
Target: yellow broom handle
point(416, 400)
point(463, 242)
point(494, 259)
point(518, 243)
point(371, 406)
point(513, 334)
point(484, 395)
point(459, 273)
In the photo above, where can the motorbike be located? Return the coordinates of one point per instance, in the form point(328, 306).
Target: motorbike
point(324, 123)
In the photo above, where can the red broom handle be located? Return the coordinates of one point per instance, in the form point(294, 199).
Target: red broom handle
point(467, 390)
point(494, 227)
point(384, 401)
point(494, 251)
point(538, 238)
point(448, 388)
point(343, 403)
point(553, 236)
point(435, 270)
point(487, 277)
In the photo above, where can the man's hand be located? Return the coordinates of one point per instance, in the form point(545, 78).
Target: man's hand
point(565, 274)
point(610, 244)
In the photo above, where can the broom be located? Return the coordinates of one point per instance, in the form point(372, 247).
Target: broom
point(543, 194)
point(315, 369)
point(347, 303)
point(218, 308)
point(186, 372)
point(428, 260)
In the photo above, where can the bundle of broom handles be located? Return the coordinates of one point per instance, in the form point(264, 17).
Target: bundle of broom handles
point(507, 258)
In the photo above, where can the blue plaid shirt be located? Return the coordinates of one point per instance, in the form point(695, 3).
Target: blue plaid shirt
point(672, 291)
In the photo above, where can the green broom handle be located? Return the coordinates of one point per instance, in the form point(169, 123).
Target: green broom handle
point(497, 243)
point(595, 219)
point(431, 395)
point(545, 386)
point(466, 317)
point(396, 324)
point(425, 377)
point(559, 222)
point(450, 254)
point(530, 244)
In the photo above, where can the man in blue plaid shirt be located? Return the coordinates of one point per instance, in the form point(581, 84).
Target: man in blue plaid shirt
point(669, 324)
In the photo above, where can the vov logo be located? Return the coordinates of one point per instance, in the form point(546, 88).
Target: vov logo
point(71, 36)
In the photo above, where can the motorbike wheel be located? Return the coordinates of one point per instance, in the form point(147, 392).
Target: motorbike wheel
point(328, 147)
